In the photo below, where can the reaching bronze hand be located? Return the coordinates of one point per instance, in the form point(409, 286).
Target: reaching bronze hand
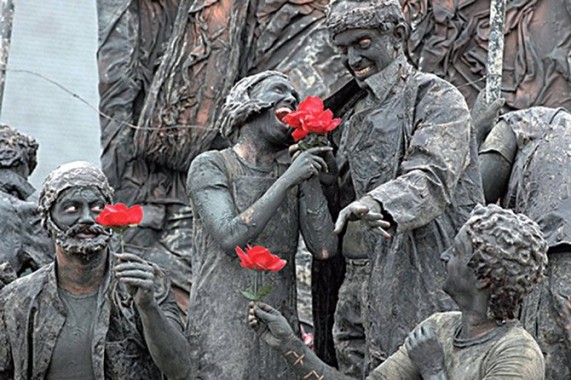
point(369, 211)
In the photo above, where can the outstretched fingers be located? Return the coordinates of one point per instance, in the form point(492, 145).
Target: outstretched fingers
point(353, 210)
point(377, 224)
point(342, 220)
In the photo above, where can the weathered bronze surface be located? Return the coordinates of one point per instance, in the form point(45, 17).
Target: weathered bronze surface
point(450, 39)
point(497, 258)
point(249, 194)
point(134, 329)
point(526, 163)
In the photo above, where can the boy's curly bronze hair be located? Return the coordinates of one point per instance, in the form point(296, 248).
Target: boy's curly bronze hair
point(510, 251)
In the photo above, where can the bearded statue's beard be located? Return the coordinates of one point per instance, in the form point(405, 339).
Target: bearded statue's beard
point(84, 248)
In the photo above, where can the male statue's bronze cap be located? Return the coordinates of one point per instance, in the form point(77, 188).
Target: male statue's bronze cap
point(365, 14)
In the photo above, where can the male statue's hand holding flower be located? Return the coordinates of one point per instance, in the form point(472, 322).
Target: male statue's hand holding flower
point(137, 274)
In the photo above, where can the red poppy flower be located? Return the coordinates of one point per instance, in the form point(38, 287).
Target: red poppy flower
point(119, 215)
point(310, 117)
point(260, 258)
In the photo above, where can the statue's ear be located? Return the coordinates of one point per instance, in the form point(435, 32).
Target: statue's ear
point(483, 283)
point(400, 33)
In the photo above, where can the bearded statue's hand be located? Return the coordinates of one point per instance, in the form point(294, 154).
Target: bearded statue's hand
point(270, 324)
point(139, 276)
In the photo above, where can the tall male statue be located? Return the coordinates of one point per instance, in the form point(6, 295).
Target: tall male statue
point(91, 314)
point(408, 147)
point(526, 162)
point(496, 259)
point(250, 194)
point(25, 245)
point(133, 36)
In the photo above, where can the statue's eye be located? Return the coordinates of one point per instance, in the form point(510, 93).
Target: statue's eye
point(70, 208)
point(97, 208)
point(364, 43)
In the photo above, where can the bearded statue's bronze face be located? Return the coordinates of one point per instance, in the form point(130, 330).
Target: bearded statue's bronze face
point(73, 215)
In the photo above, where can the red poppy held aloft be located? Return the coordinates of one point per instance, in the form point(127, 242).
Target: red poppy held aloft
point(259, 258)
point(119, 215)
point(310, 117)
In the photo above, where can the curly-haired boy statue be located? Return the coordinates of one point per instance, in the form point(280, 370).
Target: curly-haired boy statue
point(496, 260)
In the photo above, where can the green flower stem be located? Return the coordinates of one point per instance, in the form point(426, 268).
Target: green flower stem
point(257, 281)
point(257, 292)
point(121, 230)
point(313, 140)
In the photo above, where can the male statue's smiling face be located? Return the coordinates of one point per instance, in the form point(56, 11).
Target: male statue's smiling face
point(366, 52)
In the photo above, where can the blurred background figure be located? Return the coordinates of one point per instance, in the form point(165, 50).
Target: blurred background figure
point(24, 246)
point(526, 165)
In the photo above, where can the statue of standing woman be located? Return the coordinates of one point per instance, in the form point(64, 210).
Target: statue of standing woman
point(249, 194)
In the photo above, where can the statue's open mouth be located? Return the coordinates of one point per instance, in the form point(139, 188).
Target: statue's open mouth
point(282, 112)
point(363, 71)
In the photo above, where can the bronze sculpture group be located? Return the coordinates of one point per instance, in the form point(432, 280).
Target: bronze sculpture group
point(193, 101)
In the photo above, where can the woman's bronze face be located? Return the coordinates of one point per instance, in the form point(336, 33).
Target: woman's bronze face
point(284, 98)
